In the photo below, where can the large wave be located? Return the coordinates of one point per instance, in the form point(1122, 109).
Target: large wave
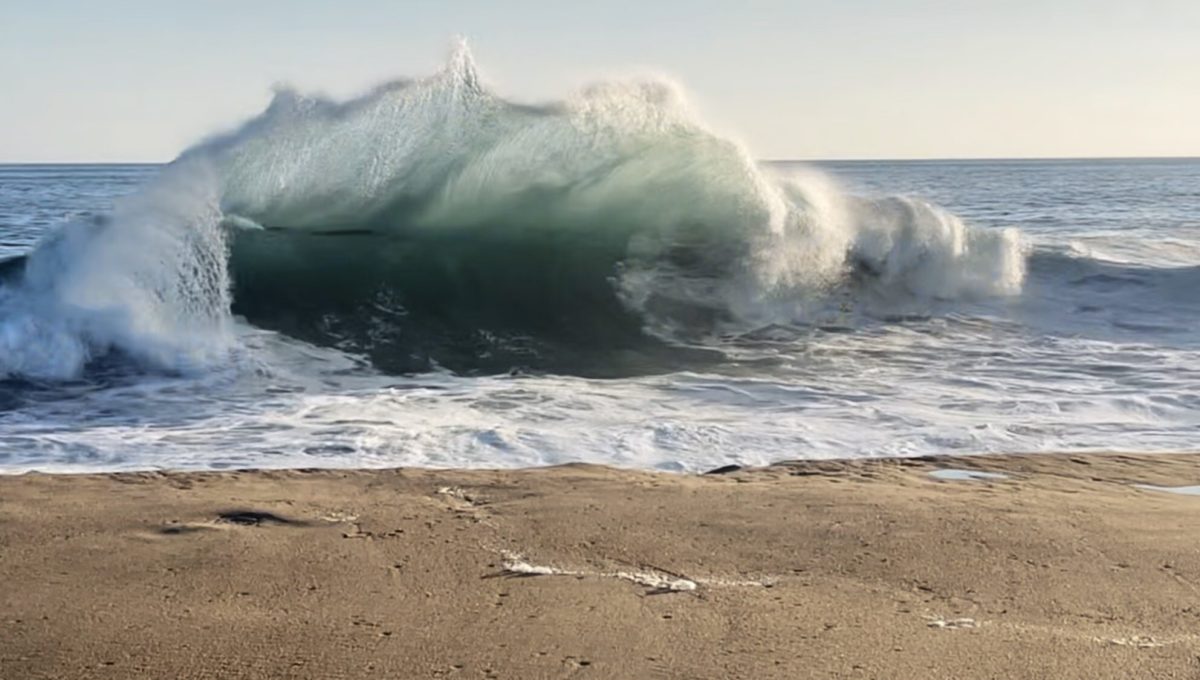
point(434, 222)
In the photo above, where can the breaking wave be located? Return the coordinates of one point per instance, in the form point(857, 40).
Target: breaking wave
point(432, 222)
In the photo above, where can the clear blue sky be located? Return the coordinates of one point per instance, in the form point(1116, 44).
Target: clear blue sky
point(141, 79)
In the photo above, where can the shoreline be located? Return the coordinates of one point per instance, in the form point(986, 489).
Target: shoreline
point(851, 568)
point(946, 460)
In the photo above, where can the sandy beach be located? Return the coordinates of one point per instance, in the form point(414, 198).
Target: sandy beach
point(870, 569)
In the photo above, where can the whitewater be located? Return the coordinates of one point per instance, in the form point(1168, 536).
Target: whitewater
point(433, 275)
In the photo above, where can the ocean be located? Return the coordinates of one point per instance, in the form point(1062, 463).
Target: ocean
point(431, 275)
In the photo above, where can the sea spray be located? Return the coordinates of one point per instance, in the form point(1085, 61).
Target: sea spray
point(148, 280)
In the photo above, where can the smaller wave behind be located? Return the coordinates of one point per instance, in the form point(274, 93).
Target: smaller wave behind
point(454, 214)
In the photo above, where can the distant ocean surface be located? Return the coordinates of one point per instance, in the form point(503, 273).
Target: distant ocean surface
point(432, 276)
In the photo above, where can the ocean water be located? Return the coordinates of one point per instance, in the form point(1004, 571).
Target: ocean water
point(431, 275)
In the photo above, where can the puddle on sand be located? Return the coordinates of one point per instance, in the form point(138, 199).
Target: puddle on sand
point(1185, 490)
point(951, 475)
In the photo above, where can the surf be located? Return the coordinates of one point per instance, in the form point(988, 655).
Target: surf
point(434, 223)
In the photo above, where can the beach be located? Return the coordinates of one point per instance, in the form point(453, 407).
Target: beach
point(1062, 568)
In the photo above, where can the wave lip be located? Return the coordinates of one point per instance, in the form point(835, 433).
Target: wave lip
point(437, 210)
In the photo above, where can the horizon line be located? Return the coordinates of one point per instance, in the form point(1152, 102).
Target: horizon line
point(975, 159)
point(894, 159)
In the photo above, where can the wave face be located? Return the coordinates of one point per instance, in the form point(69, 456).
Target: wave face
point(433, 223)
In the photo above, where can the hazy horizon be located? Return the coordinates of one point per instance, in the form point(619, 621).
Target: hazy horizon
point(135, 81)
point(963, 159)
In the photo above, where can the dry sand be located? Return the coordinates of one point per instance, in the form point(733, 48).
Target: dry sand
point(806, 570)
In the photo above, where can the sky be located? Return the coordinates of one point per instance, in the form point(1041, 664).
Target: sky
point(140, 80)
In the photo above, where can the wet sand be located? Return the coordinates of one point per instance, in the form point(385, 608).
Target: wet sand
point(1061, 569)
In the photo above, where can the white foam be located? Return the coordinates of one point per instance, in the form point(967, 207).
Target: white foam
point(653, 579)
point(951, 475)
point(1182, 490)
